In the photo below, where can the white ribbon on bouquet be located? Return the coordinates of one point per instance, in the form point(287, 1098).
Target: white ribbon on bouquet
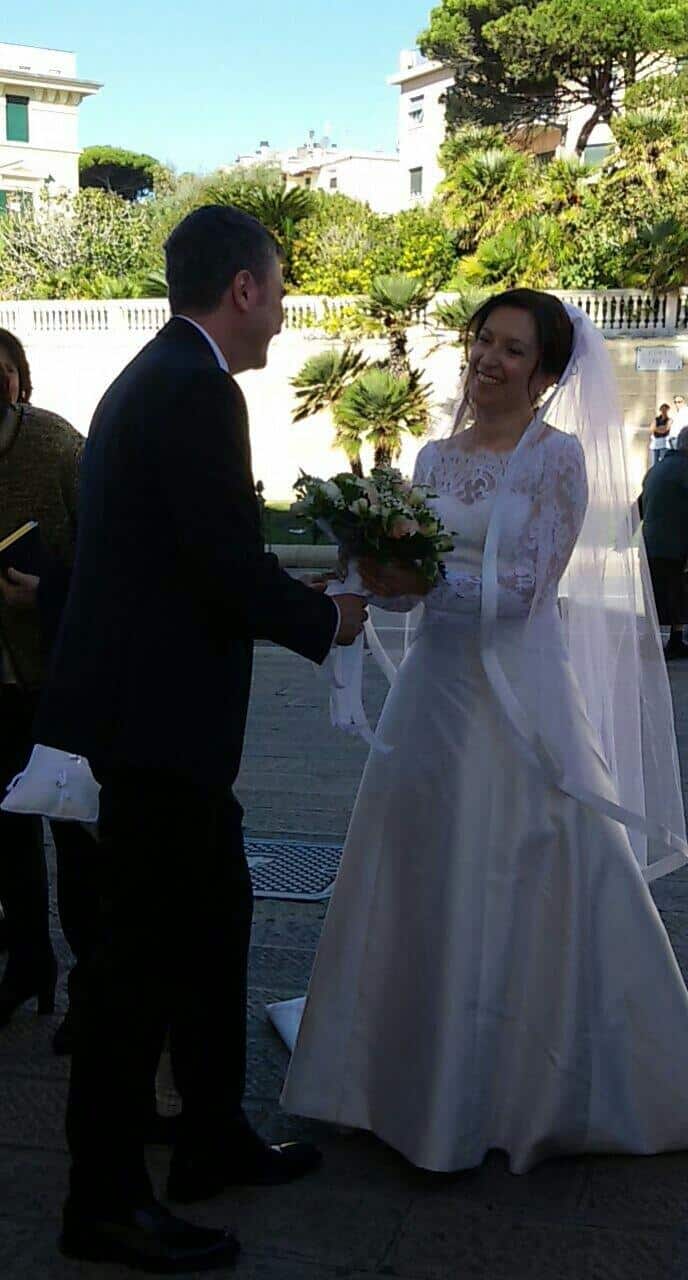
point(343, 668)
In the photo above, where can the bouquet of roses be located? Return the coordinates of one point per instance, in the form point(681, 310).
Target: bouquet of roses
point(393, 543)
point(384, 518)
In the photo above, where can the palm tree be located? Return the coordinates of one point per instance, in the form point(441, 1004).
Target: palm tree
point(527, 252)
point(564, 186)
point(659, 260)
point(380, 407)
point(154, 283)
point(482, 183)
point(279, 210)
point(395, 301)
point(455, 314)
point(321, 383)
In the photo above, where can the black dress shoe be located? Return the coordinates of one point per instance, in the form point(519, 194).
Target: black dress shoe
point(199, 1177)
point(147, 1239)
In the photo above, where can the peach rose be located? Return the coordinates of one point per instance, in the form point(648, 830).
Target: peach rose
point(402, 527)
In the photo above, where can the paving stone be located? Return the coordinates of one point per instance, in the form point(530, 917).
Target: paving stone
point(285, 966)
point(443, 1240)
point(267, 1056)
point(553, 1190)
point(26, 1048)
point(367, 1213)
point(635, 1193)
point(33, 1183)
point(32, 1112)
point(280, 1266)
point(676, 925)
point(284, 924)
point(671, 892)
point(29, 1252)
point(313, 1219)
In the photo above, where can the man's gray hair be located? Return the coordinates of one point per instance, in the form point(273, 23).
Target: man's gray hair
point(682, 440)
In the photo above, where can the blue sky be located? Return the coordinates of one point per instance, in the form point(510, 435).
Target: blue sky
point(194, 82)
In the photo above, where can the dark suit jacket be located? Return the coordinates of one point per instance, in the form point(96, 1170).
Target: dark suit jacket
point(171, 582)
point(664, 508)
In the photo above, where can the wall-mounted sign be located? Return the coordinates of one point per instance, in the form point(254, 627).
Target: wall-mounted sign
point(658, 360)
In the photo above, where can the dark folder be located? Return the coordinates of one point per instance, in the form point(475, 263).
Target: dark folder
point(21, 550)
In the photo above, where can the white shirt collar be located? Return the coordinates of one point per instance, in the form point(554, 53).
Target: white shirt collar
point(211, 341)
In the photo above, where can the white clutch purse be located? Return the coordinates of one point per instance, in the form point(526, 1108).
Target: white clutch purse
point(56, 785)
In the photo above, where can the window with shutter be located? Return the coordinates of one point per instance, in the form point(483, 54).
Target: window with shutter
point(17, 118)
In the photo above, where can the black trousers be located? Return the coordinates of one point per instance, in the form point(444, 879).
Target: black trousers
point(669, 584)
point(172, 956)
point(23, 872)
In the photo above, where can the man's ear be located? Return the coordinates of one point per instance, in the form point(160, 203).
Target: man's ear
point(243, 288)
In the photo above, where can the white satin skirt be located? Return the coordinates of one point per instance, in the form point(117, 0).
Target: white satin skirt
point(493, 972)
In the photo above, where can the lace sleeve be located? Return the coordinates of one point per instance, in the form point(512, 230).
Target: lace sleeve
point(562, 504)
point(423, 465)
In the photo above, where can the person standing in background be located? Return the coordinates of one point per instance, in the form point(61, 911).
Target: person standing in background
point(663, 506)
point(679, 420)
point(39, 466)
point(659, 434)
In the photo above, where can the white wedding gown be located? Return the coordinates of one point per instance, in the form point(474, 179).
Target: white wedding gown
point(492, 972)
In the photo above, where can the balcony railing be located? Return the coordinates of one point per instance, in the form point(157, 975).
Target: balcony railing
point(633, 313)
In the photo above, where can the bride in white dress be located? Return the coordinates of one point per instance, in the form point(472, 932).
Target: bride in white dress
point(493, 972)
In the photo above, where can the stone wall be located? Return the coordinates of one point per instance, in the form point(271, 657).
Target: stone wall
point(642, 393)
point(72, 368)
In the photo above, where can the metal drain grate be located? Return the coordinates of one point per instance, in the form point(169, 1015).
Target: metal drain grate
point(292, 870)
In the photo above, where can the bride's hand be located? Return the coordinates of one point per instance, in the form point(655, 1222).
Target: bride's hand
point(320, 581)
point(389, 580)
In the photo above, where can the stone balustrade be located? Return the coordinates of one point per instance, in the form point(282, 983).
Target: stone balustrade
point(617, 312)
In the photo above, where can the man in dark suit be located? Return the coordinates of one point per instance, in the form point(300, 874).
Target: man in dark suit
point(664, 508)
point(151, 679)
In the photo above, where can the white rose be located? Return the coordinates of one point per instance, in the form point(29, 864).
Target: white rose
point(359, 507)
point(403, 527)
point(429, 526)
point(333, 492)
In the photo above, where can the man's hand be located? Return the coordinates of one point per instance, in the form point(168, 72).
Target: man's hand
point(353, 614)
point(20, 590)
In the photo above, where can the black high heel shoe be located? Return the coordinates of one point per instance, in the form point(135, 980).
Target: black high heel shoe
point(13, 994)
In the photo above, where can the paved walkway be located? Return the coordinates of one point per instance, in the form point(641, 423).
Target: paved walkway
point(367, 1213)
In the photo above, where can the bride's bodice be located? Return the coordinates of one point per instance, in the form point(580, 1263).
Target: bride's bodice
point(544, 495)
point(466, 485)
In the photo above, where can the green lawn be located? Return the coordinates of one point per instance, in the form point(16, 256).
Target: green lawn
point(283, 529)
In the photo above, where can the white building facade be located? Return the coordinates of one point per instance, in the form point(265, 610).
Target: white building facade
point(40, 97)
point(422, 128)
point(369, 176)
point(320, 165)
point(422, 125)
